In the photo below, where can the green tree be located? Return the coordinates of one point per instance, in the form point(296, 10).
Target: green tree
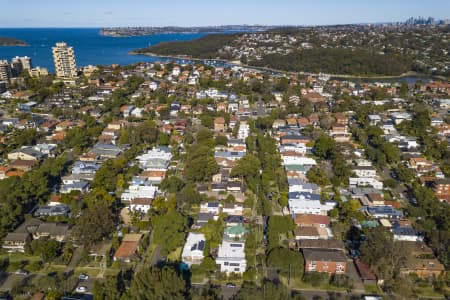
point(282, 259)
point(96, 222)
point(172, 184)
point(247, 167)
point(200, 163)
point(324, 147)
point(154, 283)
point(318, 176)
point(169, 230)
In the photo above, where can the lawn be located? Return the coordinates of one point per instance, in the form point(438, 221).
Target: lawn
point(92, 272)
point(175, 255)
point(372, 289)
point(427, 291)
point(297, 283)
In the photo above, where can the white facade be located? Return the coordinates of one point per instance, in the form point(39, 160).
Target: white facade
point(365, 172)
point(365, 181)
point(297, 148)
point(210, 207)
point(156, 159)
point(298, 160)
point(236, 210)
point(231, 257)
point(139, 191)
point(310, 207)
point(64, 59)
point(244, 130)
point(140, 205)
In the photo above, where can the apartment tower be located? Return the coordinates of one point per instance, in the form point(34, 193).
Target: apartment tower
point(64, 58)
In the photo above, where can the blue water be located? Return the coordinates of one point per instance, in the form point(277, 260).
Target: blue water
point(90, 47)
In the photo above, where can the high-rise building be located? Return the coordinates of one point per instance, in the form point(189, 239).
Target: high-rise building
point(5, 70)
point(18, 64)
point(64, 59)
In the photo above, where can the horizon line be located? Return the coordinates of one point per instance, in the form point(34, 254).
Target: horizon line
point(204, 26)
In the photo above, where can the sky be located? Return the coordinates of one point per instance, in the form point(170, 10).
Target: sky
point(105, 13)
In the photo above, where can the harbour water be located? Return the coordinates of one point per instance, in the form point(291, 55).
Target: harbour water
point(90, 47)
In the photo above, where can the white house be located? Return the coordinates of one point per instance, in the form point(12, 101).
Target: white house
point(233, 209)
point(231, 257)
point(365, 171)
point(298, 160)
point(365, 181)
point(153, 86)
point(142, 205)
point(407, 234)
point(139, 191)
point(156, 159)
point(308, 203)
point(210, 207)
point(193, 249)
point(297, 148)
point(244, 130)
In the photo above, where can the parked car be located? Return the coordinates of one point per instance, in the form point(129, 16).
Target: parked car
point(81, 289)
point(231, 285)
point(83, 276)
point(21, 272)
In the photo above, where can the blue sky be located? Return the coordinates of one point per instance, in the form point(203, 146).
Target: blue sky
point(98, 13)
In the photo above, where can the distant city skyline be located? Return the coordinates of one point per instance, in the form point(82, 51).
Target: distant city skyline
point(108, 13)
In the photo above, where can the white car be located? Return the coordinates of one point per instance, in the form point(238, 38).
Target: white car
point(21, 272)
point(81, 289)
point(83, 277)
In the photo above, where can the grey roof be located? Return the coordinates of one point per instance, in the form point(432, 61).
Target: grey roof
point(29, 226)
point(53, 228)
point(204, 217)
point(52, 210)
point(234, 219)
point(16, 237)
point(324, 255)
point(30, 151)
point(405, 231)
point(384, 210)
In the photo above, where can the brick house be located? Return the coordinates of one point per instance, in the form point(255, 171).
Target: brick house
point(219, 124)
point(442, 189)
point(325, 260)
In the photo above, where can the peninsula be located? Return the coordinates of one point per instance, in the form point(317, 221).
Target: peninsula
point(143, 31)
point(362, 50)
point(6, 41)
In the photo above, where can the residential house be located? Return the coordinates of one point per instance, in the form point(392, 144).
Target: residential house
point(441, 189)
point(56, 231)
point(54, 210)
point(193, 249)
point(129, 248)
point(325, 260)
point(421, 261)
point(141, 205)
point(365, 273)
point(210, 207)
point(319, 221)
point(219, 124)
point(231, 257)
point(385, 211)
point(16, 242)
point(233, 209)
point(406, 234)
